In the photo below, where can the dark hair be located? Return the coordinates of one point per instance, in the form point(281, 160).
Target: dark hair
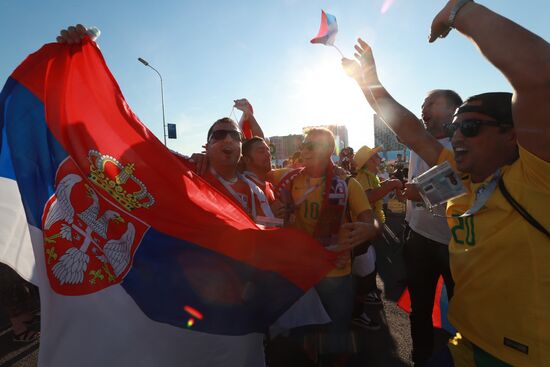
point(452, 97)
point(247, 145)
point(223, 120)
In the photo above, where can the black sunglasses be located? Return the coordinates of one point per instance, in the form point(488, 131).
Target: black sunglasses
point(469, 128)
point(221, 134)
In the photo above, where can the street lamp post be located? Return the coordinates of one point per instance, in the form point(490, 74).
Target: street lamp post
point(161, 96)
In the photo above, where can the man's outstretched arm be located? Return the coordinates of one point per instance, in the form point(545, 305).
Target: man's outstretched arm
point(399, 119)
point(522, 56)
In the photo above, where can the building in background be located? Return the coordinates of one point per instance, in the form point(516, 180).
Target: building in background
point(285, 146)
point(386, 138)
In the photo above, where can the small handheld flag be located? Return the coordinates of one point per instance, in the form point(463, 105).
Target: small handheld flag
point(327, 31)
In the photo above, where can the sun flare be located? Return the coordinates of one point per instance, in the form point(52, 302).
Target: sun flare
point(325, 95)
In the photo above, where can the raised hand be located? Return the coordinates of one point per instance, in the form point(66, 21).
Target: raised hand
point(243, 105)
point(364, 69)
point(72, 35)
point(440, 24)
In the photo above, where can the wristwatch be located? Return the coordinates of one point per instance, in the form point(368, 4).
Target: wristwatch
point(455, 10)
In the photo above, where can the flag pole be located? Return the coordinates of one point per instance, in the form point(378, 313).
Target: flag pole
point(337, 49)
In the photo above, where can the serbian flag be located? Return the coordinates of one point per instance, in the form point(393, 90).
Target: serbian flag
point(327, 30)
point(440, 308)
point(138, 260)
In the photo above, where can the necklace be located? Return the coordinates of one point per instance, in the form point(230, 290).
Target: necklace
point(231, 181)
point(309, 190)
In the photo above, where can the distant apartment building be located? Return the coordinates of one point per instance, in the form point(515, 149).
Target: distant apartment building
point(285, 146)
point(386, 138)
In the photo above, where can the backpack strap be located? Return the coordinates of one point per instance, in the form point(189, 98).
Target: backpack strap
point(521, 210)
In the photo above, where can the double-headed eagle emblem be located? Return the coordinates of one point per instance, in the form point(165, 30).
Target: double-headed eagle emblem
point(78, 222)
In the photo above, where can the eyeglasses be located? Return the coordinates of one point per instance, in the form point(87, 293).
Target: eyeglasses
point(312, 145)
point(469, 128)
point(221, 134)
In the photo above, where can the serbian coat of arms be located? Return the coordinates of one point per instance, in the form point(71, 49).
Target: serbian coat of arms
point(90, 236)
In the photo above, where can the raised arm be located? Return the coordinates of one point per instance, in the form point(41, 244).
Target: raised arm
point(399, 119)
point(522, 56)
point(248, 115)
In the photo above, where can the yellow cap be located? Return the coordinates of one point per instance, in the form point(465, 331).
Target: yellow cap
point(364, 154)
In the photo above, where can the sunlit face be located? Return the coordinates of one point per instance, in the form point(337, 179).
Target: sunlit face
point(373, 163)
point(483, 154)
point(316, 151)
point(259, 158)
point(436, 112)
point(224, 152)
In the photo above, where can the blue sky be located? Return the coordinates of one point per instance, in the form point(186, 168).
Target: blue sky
point(212, 52)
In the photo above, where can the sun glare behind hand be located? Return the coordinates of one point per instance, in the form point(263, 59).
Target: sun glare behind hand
point(324, 95)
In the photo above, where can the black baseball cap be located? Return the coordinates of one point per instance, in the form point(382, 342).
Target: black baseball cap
point(497, 105)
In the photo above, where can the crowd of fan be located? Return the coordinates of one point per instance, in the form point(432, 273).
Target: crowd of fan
point(498, 290)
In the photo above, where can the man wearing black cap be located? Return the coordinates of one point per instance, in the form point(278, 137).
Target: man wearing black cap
point(499, 252)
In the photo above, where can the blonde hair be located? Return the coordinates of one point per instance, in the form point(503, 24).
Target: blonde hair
point(325, 133)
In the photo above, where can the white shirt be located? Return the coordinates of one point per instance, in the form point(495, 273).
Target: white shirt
point(419, 218)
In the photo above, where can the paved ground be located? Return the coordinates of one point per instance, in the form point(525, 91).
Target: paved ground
point(15, 353)
point(388, 347)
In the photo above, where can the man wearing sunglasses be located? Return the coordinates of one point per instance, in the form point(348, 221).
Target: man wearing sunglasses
point(223, 151)
point(499, 258)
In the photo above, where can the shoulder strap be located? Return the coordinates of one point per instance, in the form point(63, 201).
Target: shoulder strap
point(521, 210)
point(348, 212)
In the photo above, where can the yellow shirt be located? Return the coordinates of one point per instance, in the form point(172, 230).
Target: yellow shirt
point(501, 266)
point(307, 213)
point(371, 181)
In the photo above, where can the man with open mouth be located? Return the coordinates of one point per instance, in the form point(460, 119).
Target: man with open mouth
point(500, 247)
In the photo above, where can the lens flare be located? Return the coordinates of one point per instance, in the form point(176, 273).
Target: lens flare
point(195, 314)
point(386, 6)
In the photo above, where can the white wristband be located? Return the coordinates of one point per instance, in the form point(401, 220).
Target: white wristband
point(93, 32)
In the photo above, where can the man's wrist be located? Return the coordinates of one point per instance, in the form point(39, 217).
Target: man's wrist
point(370, 84)
point(373, 88)
point(464, 14)
point(457, 8)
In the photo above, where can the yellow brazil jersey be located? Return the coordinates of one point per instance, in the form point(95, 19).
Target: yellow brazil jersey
point(501, 265)
point(307, 213)
point(370, 181)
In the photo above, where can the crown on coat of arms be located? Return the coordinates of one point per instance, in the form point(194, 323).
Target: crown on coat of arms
point(119, 181)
